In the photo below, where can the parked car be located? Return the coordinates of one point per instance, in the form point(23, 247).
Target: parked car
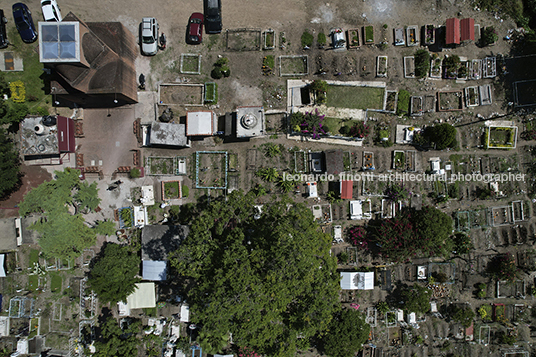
point(24, 22)
point(194, 34)
point(51, 10)
point(149, 36)
point(3, 34)
point(213, 16)
point(338, 39)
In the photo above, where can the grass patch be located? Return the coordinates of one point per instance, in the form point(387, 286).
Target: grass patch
point(151, 312)
point(33, 282)
point(34, 257)
point(211, 92)
point(355, 97)
point(35, 81)
point(334, 124)
point(171, 190)
point(55, 282)
point(369, 34)
point(403, 102)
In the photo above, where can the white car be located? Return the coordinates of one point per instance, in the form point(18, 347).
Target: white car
point(149, 36)
point(51, 10)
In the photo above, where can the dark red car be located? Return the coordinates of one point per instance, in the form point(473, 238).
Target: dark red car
point(194, 35)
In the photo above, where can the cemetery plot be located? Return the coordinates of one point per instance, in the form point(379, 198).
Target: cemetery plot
point(502, 215)
point(269, 39)
point(353, 38)
point(190, 63)
point(412, 35)
point(489, 67)
point(501, 137)
point(411, 159)
point(435, 66)
point(450, 100)
point(476, 69)
point(381, 66)
point(181, 94)
point(243, 39)
point(506, 289)
point(524, 93)
point(429, 103)
point(416, 105)
point(463, 70)
point(409, 67)
point(352, 255)
point(390, 319)
point(446, 272)
point(171, 190)
point(368, 160)
point(517, 211)
point(160, 165)
point(399, 160)
point(293, 66)
point(211, 169)
point(373, 187)
point(391, 97)
point(299, 161)
point(251, 159)
point(472, 98)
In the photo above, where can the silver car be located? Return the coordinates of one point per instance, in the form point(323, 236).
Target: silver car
point(149, 36)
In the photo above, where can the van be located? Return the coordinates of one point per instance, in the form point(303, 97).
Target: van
point(213, 16)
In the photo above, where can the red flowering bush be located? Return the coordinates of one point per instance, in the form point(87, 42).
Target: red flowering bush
point(360, 130)
point(358, 237)
point(503, 267)
point(247, 352)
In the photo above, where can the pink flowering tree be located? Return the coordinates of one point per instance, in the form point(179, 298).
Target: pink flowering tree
point(312, 124)
point(357, 236)
point(360, 130)
point(247, 352)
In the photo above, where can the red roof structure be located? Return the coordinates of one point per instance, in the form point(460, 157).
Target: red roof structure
point(467, 31)
point(347, 189)
point(65, 134)
point(453, 31)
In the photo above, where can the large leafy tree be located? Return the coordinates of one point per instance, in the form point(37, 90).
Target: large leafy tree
point(269, 281)
point(442, 135)
point(416, 298)
point(113, 276)
point(9, 165)
point(346, 334)
point(62, 235)
point(117, 342)
point(426, 232)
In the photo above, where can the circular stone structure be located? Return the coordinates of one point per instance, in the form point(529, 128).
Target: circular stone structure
point(248, 121)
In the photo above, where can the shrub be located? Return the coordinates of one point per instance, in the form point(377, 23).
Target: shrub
point(321, 39)
point(39, 111)
point(503, 267)
point(185, 191)
point(489, 36)
point(221, 69)
point(135, 173)
point(216, 73)
point(306, 39)
point(18, 91)
point(403, 102)
point(360, 130)
point(422, 63)
point(382, 307)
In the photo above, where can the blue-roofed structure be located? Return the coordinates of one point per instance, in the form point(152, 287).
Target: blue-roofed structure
point(154, 270)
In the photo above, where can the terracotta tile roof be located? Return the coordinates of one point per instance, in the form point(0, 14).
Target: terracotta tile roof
point(467, 27)
point(347, 190)
point(453, 31)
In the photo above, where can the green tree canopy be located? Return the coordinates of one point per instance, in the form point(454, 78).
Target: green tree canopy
point(115, 342)
point(63, 235)
point(425, 232)
point(463, 315)
point(422, 63)
point(87, 196)
point(442, 135)
point(113, 276)
point(346, 334)
point(416, 298)
point(266, 280)
point(9, 165)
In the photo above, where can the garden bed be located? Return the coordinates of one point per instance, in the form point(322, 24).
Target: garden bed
point(476, 69)
point(429, 103)
point(243, 39)
point(472, 98)
point(416, 106)
point(381, 66)
point(126, 217)
point(429, 34)
point(190, 63)
point(489, 67)
point(463, 70)
point(269, 39)
point(399, 160)
point(268, 65)
point(211, 93)
point(368, 160)
point(368, 35)
point(171, 190)
point(160, 165)
point(435, 66)
point(409, 67)
point(500, 137)
point(391, 97)
point(211, 169)
point(412, 36)
point(353, 38)
point(450, 101)
point(181, 94)
point(293, 66)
